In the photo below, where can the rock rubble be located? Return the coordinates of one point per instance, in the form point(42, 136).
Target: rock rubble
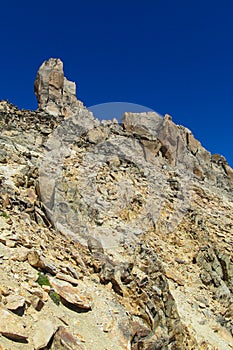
point(112, 236)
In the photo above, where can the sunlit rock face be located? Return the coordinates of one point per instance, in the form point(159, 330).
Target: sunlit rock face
point(112, 235)
point(55, 94)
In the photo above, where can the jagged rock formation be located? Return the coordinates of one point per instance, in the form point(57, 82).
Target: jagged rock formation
point(112, 236)
point(55, 94)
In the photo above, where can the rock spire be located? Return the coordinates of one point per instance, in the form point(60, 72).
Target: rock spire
point(55, 94)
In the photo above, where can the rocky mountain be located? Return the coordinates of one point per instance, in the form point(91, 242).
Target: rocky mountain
point(112, 235)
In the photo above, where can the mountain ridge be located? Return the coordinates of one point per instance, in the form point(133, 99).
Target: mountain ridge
point(129, 224)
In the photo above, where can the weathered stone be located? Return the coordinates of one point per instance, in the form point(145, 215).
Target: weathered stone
point(14, 302)
point(36, 302)
point(67, 278)
point(173, 146)
point(12, 327)
point(222, 292)
point(63, 340)
point(173, 276)
point(150, 195)
point(193, 144)
point(21, 254)
point(96, 136)
point(35, 259)
point(145, 125)
point(94, 245)
point(72, 295)
point(216, 158)
point(44, 331)
point(55, 94)
point(206, 277)
point(3, 156)
point(151, 148)
point(217, 269)
point(5, 291)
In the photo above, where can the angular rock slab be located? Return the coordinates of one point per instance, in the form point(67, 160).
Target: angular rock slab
point(45, 329)
point(12, 327)
point(72, 295)
point(14, 302)
point(35, 259)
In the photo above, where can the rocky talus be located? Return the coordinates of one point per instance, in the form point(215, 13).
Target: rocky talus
point(112, 235)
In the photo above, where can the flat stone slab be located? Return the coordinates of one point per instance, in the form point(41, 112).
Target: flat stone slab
point(12, 327)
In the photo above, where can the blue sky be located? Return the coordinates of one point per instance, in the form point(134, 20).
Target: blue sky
point(174, 57)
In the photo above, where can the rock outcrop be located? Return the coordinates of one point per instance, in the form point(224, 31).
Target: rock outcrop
point(112, 236)
point(55, 94)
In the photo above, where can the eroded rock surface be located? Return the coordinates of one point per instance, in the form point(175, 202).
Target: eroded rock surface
point(112, 236)
point(55, 94)
point(12, 327)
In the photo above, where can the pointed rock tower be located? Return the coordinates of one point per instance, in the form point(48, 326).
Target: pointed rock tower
point(55, 94)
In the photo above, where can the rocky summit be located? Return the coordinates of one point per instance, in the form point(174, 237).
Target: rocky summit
point(112, 235)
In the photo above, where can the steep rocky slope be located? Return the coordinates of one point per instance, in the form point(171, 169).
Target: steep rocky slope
point(112, 236)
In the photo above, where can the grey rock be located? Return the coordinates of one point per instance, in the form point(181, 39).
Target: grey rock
point(217, 269)
point(3, 156)
point(223, 293)
point(94, 245)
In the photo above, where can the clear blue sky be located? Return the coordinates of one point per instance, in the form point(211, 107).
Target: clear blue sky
point(173, 56)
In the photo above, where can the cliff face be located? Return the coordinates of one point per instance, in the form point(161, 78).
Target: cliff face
point(113, 236)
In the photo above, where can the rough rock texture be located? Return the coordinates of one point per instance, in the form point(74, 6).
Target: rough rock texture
point(55, 94)
point(112, 236)
point(11, 327)
point(44, 332)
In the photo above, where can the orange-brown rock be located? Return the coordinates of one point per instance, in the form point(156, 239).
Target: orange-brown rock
point(72, 295)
